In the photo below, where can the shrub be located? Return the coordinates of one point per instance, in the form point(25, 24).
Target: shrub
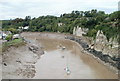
point(8, 38)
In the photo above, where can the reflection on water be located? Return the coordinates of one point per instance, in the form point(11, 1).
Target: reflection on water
point(55, 60)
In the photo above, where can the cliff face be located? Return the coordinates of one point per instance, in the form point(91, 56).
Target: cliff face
point(78, 31)
point(107, 47)
point(100, 49)
point(100, 43)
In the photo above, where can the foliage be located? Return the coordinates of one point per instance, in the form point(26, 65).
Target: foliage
point(8, 38)
point(93, 20)
point(92, 33)
point(15, 42)
point(13, 30)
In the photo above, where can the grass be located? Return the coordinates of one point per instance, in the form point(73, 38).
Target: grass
point(15, 43)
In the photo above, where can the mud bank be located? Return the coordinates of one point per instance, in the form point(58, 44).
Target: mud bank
point(51, 65)
point(18, 61)
point(112, 62)
point(26, 62)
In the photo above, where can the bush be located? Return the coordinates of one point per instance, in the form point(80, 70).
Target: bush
point(92, 33)
point(13, 30)
point(8, 38)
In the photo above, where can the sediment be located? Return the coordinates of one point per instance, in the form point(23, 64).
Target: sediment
point(19, 61)
point(113, 62)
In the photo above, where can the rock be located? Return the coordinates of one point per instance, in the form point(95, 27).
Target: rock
point(5, 64)
point(106, 58)
point(33, 48)
point(18, 61)
point(78, 31)
point(36, 49)
point(27, 71)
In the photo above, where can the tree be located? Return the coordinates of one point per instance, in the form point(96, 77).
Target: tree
point(48, 28)
point(13, 30)
point(87, 14)
point(115, 15)
point(27, 18)
point(93, 20)
point(92, 33)
point(41, 29)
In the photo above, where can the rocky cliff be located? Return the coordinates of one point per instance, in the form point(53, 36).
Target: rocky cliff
point(100, 47)
point(78, 31)
point(107, 47)
point(100, 43)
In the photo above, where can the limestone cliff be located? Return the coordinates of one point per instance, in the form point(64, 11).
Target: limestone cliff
point(107, 47)
point(100, 43)
point(78, 31)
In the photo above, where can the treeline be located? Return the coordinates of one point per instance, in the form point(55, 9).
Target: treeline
point(93, 20)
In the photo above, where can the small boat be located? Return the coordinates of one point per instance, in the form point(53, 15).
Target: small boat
point(63, 48)
point(67, 71)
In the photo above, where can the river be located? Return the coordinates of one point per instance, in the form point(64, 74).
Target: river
point(52, 64)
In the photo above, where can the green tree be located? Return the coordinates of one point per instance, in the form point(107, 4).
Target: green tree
point(13, 30)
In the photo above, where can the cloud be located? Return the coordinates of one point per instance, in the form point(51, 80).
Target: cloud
point(10, 9)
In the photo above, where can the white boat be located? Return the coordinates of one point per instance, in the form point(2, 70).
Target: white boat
point(67, 71)
point(63, 48)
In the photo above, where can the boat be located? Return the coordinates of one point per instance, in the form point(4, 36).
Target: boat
point(63, 48)
point(67, 71)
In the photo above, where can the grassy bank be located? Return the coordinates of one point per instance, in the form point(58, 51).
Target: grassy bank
point(15, 43)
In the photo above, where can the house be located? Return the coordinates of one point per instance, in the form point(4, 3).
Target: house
point(4, 34)
point(26, 27)
point(20, 27)
point(16, 36)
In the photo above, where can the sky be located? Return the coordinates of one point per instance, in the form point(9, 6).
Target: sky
point(10, 9)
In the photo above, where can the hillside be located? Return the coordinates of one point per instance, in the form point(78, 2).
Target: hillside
point(93, 20)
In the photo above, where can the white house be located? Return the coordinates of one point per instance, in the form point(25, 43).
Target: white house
point(4, 34)
point(26, 27)
point(16, 36)
point(20, 27)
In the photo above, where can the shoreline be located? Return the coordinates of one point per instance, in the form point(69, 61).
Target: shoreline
point(76, 40)
point(85, 51)
point(29, 51)
point(21, 60)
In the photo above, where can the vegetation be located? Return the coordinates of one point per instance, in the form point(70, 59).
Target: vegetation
point(8, 38)
point(93, 20)
point(15, 43)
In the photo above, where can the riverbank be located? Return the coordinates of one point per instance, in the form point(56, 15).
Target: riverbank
point(25, 62)
point(51, 42)
point(12, 43)
point(18, 59)
point(110, 62)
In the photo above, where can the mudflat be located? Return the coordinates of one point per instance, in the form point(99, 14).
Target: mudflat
point(23, 63)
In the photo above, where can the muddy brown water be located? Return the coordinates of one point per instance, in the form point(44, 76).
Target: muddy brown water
point(51, 65)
